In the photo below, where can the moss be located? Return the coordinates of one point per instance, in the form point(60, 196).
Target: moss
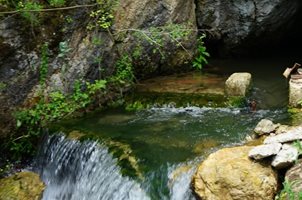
point(236, 101)
point(141, 100)
point(24, 185)
point(122, 151)
point(295, 115)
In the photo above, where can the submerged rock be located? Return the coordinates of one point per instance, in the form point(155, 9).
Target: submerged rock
point(265, 126)
point(238, 84)
point(285, 157)
point(229, 174)
point(23, 185)
point(263, 151)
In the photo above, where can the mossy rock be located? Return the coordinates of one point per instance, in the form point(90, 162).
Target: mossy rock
point(23, 185)
point(296, 116)
point(148, 99)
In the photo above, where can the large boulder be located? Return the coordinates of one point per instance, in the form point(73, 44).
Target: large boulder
point(23, 185)
point(238, 84)
point(229, 174)
point(295, 92)
point(239, 22)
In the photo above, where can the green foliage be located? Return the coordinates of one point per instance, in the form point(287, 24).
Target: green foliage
point(157, 37)
point(58, 105)
point(236, 102)
point(26, 9)
point(288, 193)
point(64, 49)
point(137, 52)
point(103, 16)
point(202, 55)
point(96, 86)
point(137, 105)
point(298, 145)
point(49, 109)
point(57, 3)
point(124, 71)
point(2, 86)
point(44, 64)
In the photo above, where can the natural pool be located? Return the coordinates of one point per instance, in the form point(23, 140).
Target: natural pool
point(153, 153)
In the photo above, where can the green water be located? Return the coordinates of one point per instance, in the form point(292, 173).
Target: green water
point(172, 135)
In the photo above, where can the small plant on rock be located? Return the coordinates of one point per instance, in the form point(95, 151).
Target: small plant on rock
point(202, 55)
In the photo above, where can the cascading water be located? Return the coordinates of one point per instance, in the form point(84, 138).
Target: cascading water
point(74, 170)
point(77, 171)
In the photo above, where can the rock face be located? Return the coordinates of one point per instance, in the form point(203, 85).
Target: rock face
point(229, 174)
point(265, 126)
point(294, 176)
point(295, 92)
point(23, 185)
point(238, 84)
point(234, 23)
point(92, 54)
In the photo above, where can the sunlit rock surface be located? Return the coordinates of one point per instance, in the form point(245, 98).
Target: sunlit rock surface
point(23, 185)
point(229, 174)
point(263, 151)
point(238, 84)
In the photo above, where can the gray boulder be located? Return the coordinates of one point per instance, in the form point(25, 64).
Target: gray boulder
point(265, 126)
point(238, 84)
point(263, 151)
point(286, 157)
point(295, 134)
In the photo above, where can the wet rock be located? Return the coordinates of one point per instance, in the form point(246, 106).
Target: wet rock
point(292, 135)
point(263, 151)
point(286, 157)
point(238, 84)
point(294, 176)
point(229, 174)
point(295, 92)
point(265, 126)
point(238, 23)
point(23, 185)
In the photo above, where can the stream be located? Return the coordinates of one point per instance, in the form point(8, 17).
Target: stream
point(153, 153)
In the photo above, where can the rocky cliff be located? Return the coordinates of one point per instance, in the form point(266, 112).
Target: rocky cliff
point(158, 37)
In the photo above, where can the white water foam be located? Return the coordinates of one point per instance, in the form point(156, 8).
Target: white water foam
point(83, 171)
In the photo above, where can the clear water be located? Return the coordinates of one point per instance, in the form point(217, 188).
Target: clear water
point(165, 144)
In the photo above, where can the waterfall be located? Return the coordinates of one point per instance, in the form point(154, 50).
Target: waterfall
point(74, 170)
